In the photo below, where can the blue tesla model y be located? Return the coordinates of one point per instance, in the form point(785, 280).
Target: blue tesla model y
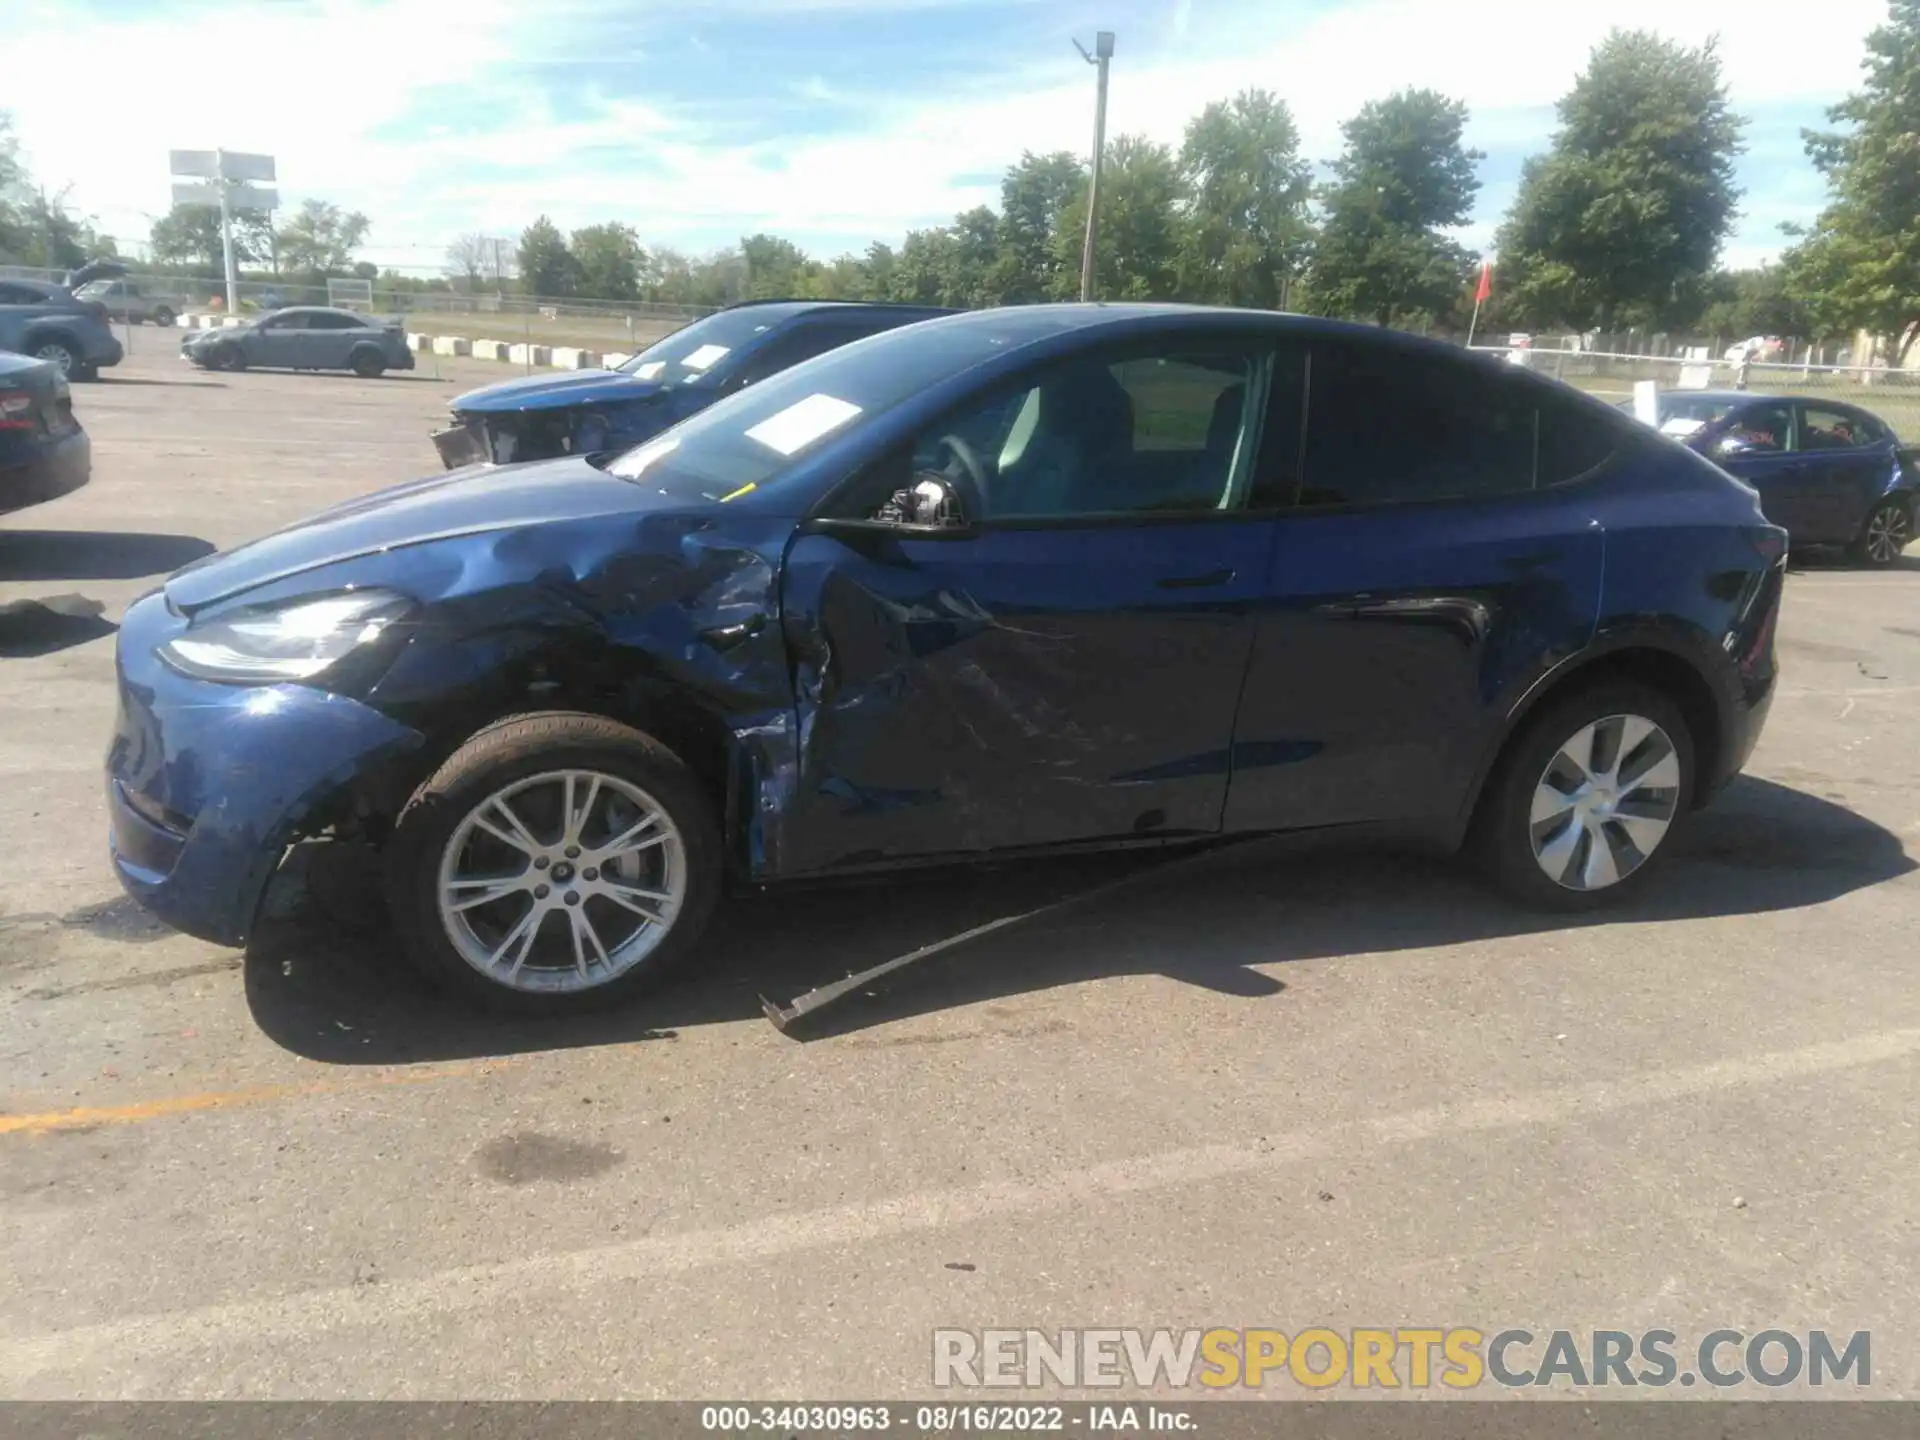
point(1005, 582)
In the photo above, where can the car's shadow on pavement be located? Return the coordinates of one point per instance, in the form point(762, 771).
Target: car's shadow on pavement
point(114, 380)
point(1219, 920)
point(94, 554)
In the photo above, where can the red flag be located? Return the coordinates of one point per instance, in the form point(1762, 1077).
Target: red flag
point(1481, 295)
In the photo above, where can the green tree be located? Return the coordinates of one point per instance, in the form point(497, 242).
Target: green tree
point(1860, 265)
point(1143, 227)
point(13, 175)
point(1763, 301)
point(320, 238)
point(1621, 220)
point(610, 261)
point(1034, 196)
point(1405, 176)
point(923, 272)
point(1248, 232)
point(547, 266)
point(189, 236)
point(776, 267)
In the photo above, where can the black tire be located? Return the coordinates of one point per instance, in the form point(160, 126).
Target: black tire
point(232, 357)
point(367, 362)
point(60, 350)
point(162, 315)
point(1503, 832)
point(1888, 531)
point(520, 749)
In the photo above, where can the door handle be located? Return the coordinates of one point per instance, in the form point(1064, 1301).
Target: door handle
point(1196, 582)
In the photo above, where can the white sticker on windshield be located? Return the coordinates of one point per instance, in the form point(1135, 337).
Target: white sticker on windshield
point(704, 357)
point(802, 423)
point(1681, 425)
point(634, 464)
point(650, 369)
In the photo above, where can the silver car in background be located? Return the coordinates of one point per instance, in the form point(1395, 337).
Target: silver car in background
point(305, 337)
point(144, 302)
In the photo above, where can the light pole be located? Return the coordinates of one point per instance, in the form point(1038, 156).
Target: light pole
point(1102, 55)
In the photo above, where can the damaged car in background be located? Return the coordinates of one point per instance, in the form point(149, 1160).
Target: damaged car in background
point(1004, 583)
point(541, 417)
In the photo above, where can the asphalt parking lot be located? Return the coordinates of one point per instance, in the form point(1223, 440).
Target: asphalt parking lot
point(1275, 1088)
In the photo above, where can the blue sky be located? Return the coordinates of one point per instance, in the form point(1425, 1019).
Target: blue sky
point(834, 122)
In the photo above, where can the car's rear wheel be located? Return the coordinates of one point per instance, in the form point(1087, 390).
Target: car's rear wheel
point(61, 353)
point(162, 315)
point(1888, 531)
point(1587, 795)
point(368, 362)
point(556, 862)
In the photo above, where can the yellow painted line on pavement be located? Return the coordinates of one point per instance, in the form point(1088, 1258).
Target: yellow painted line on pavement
point(84, 1117)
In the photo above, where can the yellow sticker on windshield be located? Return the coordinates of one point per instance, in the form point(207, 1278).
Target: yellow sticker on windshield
point(750, 485)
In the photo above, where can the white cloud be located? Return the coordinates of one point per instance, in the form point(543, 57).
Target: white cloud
point(1509, 59)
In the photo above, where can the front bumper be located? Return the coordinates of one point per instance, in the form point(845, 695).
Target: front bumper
point(60, 467)
point(105, 352)
point(208, 784)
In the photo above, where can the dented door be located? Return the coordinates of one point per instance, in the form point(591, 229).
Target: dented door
point(1019, 687)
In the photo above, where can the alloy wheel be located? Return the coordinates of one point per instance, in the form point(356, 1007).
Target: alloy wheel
point(562, 882)
point(1888, 532)
point(1606, 800)
point(59, 355)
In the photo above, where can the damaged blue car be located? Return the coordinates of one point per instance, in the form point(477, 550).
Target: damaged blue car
point(541, 417)
point(1016, 581)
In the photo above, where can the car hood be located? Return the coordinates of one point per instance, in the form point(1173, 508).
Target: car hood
point(558, 392)
point(468, 501)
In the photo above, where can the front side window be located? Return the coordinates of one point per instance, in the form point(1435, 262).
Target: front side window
point(1760, 429)
point(1147, 434)
point(1386, 426)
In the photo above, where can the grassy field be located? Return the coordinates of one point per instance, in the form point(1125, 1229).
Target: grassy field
point(603, 334)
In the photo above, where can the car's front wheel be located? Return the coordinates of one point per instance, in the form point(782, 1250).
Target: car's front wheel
point(1587, 796)
point(1888, 531)
point(556, 862)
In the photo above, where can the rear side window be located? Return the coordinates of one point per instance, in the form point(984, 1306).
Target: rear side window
point(1574, 441)
point(324, 321)
point(19, 295)
point(1386, 427)
point(1824, 429)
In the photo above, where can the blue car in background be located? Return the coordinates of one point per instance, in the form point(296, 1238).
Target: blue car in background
point(1828, 472)
point(543, 416)
point(1009, 582)
point(43, 451)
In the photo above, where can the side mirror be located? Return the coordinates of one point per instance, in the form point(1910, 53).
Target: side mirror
point(930, 503)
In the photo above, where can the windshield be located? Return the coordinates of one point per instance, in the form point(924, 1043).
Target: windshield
point(692, 351)
point(745, 442)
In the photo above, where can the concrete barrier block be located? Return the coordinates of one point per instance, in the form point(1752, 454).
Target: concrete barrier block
point(614, 359)
point(232, 322)
point(565, 357)
point(452, 345)
point(419, 344)
point(490, 349)
point(530, 354)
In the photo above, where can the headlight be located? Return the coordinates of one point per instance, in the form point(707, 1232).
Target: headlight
point(293, 640)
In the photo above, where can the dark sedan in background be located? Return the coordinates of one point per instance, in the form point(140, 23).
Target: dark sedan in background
point(543, 416)
point(1021, 580)
point(306, 337)
point(1828, 472)
point(43, 451)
